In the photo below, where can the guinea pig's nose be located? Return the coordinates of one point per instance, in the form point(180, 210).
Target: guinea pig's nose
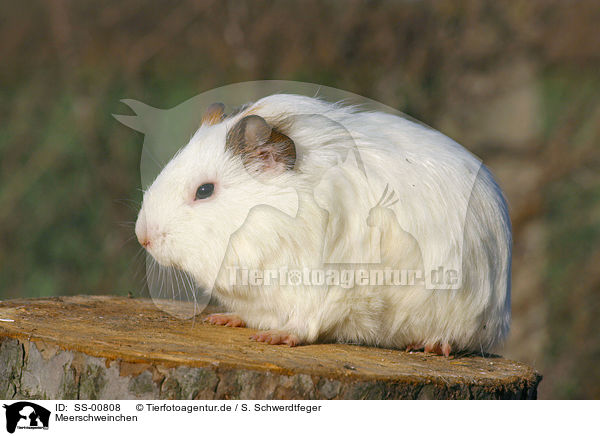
point(142, 238)
point(141, 231)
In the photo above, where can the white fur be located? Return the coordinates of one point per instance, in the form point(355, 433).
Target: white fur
point(433, 179)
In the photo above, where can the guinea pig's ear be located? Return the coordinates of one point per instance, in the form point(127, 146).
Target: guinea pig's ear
point(214, 114)
point(260, 145)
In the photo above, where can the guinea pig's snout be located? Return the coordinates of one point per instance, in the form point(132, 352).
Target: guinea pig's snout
point(141, 230)
point(143, 240)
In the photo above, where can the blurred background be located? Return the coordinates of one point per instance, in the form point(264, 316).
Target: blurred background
point(517, 83)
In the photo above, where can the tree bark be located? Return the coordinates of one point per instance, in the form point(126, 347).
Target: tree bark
point(99, 347)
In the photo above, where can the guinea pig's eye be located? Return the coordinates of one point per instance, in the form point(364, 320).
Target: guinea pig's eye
point(205, 191)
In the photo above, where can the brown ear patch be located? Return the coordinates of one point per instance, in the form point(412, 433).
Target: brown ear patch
point(260, 145)
point(214, 114)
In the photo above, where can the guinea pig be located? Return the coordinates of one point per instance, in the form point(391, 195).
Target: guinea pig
point(314, 222)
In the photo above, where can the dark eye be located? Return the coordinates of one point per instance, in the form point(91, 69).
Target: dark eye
point(205, 191)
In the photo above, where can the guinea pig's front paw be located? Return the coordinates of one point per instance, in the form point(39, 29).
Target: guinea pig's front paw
point(276, 337)
point(435, 348)
point(439, 349)
point(228, 319)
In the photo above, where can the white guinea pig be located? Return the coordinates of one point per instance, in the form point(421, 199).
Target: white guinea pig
point(318, 222)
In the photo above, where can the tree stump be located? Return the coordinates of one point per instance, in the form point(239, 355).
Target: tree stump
point(99, 347)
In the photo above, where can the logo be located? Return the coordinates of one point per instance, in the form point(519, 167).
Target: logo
point(26, 415)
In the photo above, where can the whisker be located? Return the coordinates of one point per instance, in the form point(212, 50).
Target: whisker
point(161, 276)
point(130, 204)
point(126, 223)
point(139, 273)
point(172, 282)
point(181, 276)
point(126, 241)
point(177, 279)
point(150, 270)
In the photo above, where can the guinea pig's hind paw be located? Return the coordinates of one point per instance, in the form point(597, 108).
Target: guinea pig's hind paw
point(439, 349)
point(227, 319)
point(413, 347)
point(276, 337)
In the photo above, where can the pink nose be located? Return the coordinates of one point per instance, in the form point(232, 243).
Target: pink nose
point(143, 239)
point(142, 235)
point(142, 232)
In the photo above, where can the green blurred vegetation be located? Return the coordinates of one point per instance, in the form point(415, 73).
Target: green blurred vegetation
point(516, 82)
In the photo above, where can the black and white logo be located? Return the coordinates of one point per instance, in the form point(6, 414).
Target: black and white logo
point(26, 415)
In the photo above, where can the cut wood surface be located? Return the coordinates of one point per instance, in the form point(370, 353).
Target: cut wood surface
point(101, 347)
